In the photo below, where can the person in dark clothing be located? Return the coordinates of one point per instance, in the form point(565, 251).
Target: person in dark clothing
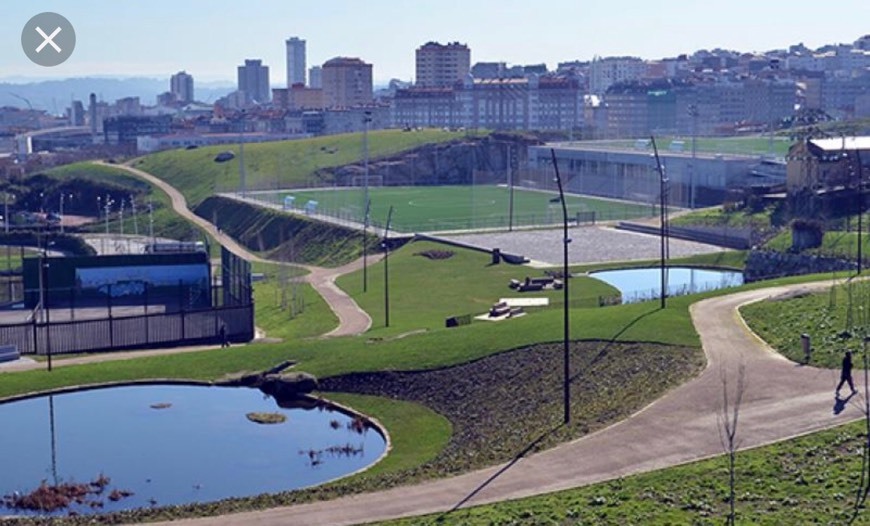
point(222, 333)
point(846, 373)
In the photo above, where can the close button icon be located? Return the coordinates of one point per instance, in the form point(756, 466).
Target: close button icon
point(48, 39)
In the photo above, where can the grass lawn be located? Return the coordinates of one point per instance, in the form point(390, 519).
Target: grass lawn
point(439, 208)
point(287, 308)
point(834, 243)
point(835, 320)
point(424, 292)
point(808, 480)
point(719, 217)
point(277, 164)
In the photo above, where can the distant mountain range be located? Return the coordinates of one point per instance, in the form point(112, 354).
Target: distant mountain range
point(55, 95)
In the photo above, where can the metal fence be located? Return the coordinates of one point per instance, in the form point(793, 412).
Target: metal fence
point(42, 337)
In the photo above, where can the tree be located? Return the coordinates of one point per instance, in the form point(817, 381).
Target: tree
point(727, 420)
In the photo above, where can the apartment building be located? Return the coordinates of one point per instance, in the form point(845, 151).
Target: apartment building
point(440, 65)
point(346, 82)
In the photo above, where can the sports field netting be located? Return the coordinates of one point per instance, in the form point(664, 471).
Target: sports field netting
point(444, 208)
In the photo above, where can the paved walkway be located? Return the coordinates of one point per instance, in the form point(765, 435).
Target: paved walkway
point(352, 320)
point(781, 400)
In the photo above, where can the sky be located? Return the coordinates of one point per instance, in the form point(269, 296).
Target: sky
point(210, 38)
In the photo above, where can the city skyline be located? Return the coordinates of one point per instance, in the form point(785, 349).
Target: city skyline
point(160, 38)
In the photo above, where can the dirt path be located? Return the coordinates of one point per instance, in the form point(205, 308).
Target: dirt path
point(782, 400)
point(352, 320)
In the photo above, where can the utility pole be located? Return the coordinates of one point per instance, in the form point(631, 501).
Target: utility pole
point(860, 205)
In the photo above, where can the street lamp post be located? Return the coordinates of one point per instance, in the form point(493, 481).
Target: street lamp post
point(566, 350)
point(663, 182)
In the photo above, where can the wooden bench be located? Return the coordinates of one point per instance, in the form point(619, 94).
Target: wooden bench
point(8, 353)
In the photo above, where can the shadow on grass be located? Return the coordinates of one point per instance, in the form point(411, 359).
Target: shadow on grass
point(613, 339)
point(534, 444)
point(529, 448)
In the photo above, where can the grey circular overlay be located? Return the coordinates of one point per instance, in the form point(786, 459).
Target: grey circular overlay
point(48, 39)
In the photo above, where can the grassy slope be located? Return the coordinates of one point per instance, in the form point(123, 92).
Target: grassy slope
point(166, 222)
point(834, 243)
point(313, 316)
point(824, 316)
point(277, 164)
point(808, 480)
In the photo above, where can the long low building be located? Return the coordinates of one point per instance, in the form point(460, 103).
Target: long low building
point(613, 169)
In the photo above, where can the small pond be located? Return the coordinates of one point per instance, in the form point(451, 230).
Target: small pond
point(172, 444)
point(640, 284)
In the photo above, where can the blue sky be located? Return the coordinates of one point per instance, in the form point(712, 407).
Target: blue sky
point(209, 38)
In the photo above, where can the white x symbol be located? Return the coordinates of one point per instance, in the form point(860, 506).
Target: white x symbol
point(48, 39)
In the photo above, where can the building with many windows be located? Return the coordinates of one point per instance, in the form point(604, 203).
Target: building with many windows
point(440, 65)
point(533, 103)
point(295, 61)
point(346, 82)
point(254, 81)
point(315, 77)
point(181, 87)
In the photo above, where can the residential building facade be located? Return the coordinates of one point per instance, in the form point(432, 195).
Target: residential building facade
point(440, 65)
point(346, 82)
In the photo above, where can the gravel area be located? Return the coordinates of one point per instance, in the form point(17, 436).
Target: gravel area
point(589, 244)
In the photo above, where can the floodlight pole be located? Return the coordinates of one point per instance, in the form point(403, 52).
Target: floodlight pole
point(693, 112)
point(242, 175)
point(387, 268)
point(45, 316)
point(664, 223)
point(366, 120)
point(510, 178)
point(566, 352)
point(364, 246)
point(860, 204)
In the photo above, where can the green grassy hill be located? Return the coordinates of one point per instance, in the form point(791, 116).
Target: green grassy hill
point(277, 164)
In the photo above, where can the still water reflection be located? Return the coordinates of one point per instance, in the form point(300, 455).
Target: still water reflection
point(171, 444)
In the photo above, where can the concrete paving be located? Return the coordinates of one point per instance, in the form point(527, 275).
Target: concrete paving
point(544, 247)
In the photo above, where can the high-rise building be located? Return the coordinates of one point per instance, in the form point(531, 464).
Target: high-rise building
point(442, 64)
point(181, 87)
point(346, 82)
point(254, 81)
point(315, 77)
point(295, 61)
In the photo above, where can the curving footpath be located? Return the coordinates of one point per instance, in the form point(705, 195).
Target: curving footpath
point(781, 400)
point(351, 319)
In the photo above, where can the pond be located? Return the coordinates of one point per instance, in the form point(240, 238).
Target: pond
point(171, 444)
point(640, 284)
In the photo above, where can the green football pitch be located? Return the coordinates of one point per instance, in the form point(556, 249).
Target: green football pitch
point(442, 208)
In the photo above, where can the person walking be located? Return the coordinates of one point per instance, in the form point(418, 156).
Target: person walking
point(846, 373)
point(222, 333)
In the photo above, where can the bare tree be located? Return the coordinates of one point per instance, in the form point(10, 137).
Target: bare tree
point(864, 482)
point(727, 420)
